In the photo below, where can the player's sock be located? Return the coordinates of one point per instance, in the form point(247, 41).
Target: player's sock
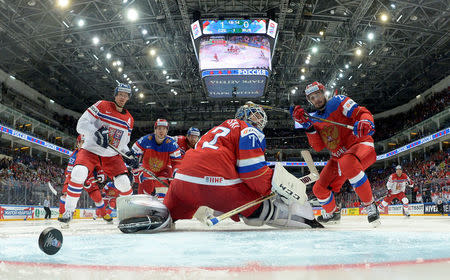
point(406, 210)
point(361, 185)
point(62, 205)
point(329, 203)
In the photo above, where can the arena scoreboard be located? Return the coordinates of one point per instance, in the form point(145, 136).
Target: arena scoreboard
point(234, 55)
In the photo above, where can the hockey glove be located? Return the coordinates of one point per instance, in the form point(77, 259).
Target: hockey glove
point(363, 128)
point(102, 137)
point(132, 160)
point(298, 114)
point(101, 176)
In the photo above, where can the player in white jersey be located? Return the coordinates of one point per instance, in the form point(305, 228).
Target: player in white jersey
point(104, 123)
point(396, 189)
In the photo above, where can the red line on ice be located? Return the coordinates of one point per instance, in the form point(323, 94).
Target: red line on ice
point(246, 268)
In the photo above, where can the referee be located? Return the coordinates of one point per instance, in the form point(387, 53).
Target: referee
point(48, 213)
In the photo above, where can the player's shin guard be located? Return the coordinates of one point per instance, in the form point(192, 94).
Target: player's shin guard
point(361, 185)
point(122, 183)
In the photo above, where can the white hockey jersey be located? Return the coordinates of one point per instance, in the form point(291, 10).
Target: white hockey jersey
point(398, 184)
point(119, 124)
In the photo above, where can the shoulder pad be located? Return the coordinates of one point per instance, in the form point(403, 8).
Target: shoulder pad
point(252, 130)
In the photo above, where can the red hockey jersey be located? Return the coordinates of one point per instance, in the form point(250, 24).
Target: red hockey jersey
point(338, 139)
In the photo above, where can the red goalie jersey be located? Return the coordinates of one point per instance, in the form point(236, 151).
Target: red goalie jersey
point(229, 154)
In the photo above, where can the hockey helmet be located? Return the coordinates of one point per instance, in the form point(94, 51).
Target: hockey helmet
point(311, 88)
point(314, 87)
point(123, 87)
point(161, 122)
point(193, 131)
point(398, 167)
point(251, 109)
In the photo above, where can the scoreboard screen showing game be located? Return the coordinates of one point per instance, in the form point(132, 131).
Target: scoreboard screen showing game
point(234, 51)
point(235, 55)
point(211, 27)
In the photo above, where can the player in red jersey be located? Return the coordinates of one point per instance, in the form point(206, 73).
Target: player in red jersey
point(396, 189)
point(352, 151)
point(188, 142)
point(104, 123)
point(226, 170)
point(160, 154)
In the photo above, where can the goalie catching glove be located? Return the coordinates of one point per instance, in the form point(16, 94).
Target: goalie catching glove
point(287, 186)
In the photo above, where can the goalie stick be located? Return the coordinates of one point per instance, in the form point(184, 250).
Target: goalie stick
point(307, 179)
point(143, 168)
point(307, 115)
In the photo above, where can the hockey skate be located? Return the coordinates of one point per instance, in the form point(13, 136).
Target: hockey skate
point(330, 218)
point(108, 218)
point(65, 219)
point(373, 215)
point(406, 213)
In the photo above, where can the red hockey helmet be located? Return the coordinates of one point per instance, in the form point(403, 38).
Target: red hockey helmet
point(161, 122)
point(311, 88)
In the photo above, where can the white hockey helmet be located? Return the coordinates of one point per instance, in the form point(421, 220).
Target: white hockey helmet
point(123, 87)
point(398, 167)
point(251, 109)
point(161, 122)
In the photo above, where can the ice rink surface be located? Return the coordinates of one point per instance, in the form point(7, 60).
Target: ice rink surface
point(401, 248)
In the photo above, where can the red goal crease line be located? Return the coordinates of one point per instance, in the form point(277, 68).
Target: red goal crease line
point(250, 267)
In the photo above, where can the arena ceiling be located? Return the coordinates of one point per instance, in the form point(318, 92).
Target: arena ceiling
point(52, 49)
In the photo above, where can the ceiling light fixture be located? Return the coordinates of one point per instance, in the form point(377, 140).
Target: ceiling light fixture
point(132, 14)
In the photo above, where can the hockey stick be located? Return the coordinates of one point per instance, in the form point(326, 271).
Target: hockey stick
point(307, 179)
point(143, 168)
point(215, 220)
point(307, 115)
point(52, 189)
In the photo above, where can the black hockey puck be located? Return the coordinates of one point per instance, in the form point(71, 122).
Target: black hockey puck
point(50, 240)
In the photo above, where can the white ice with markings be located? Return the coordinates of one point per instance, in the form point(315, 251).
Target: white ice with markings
point(94, 249)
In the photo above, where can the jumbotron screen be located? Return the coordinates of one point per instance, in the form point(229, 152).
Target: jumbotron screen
point(234, 55)
point(234, 51)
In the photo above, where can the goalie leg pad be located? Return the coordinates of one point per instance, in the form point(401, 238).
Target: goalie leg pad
point(266, 211)
point(142, 212)
point(147, 223)
point(293, 216)
point(287, 186)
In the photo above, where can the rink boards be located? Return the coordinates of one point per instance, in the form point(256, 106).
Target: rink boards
point(23, 212)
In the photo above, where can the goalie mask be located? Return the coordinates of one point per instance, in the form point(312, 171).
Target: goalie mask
point(253, 114)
